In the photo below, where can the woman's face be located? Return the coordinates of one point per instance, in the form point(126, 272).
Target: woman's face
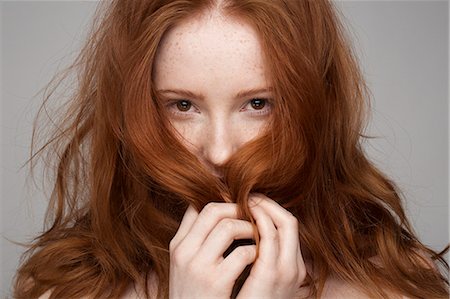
point(211, 74)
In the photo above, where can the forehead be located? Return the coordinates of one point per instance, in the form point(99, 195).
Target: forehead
point(208, 47)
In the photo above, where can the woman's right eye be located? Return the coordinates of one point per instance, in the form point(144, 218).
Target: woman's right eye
point(181, 108)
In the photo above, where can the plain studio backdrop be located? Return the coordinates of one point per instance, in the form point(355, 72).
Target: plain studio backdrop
point(403, 50)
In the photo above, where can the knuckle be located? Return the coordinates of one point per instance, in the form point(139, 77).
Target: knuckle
point(302, 273)
point(245, 252)
point(178, 257)
point(227, 225)
point(211, 208)
point(272, 235)
point(172, 245)
point(290, 275)
point(293, 220)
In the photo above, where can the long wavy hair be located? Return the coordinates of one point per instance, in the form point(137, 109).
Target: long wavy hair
point(122, 179)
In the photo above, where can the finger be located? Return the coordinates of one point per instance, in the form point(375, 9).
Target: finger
point(207, 219)
point(286, 224)
point(186, 223)
point(281, 217)
point(269, 239)
point(222, 236)
point(233, 265)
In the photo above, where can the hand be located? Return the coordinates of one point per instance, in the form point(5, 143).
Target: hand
point(197, 266)
point(279, 269)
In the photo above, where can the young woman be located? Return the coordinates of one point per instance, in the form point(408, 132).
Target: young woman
point(213, 150)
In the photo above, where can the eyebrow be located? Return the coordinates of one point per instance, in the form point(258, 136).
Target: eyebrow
point(190, 94)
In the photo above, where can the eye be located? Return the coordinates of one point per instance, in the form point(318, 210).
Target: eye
point(259, 106)
point(258, 103)
point(181, 108)
point(184, 105)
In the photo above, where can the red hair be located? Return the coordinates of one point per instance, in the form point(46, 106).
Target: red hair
point(123, 180)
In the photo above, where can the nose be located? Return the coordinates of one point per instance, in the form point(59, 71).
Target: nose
point(218, 144)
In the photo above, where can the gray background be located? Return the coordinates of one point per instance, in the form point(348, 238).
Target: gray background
point(403, 48)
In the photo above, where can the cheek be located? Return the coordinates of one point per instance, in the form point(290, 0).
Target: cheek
point(188, 133)
point(249, 130)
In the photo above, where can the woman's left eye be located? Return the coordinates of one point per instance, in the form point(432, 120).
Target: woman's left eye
point(183, 105)
point(258, 103)
point(259, 106)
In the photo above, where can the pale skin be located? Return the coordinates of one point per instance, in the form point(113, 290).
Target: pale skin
point(212, 74)
point(219, 63)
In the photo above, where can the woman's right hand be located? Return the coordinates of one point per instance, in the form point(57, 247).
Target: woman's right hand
point(197, 266)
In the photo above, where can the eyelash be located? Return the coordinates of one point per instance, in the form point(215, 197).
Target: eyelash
point(265, 110)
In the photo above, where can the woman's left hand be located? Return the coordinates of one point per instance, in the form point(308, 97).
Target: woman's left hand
point(279, 269)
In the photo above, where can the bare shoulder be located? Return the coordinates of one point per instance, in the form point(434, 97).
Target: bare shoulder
point(338, 289)
point(133, 291)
